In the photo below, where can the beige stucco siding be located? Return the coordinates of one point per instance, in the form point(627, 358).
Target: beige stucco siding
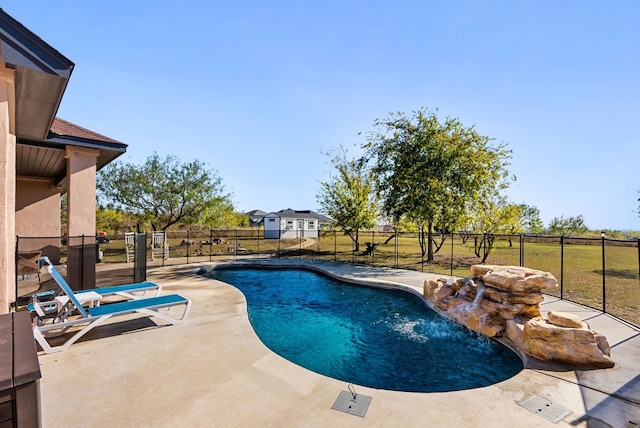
point(7, 192)
point(38, 216)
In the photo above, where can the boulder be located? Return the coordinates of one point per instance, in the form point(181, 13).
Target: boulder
point(435, 290)
point(513, 332)
point(478, 270)
point(549, 342)
point(563, 319)
point(519, 280)
point(499, 296)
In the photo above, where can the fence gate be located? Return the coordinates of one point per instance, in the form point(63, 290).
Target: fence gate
point(140, 259)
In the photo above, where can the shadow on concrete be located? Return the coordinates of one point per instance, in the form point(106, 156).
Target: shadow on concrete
point(620, 408)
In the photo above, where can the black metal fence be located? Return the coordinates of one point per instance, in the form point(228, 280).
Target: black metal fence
point(597, 272)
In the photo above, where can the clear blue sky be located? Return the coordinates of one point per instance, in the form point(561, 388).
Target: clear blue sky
point(258, 90)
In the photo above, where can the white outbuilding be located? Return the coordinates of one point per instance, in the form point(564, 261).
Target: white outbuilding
point(291, 224)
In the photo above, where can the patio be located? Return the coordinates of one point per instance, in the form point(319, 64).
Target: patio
point(214, 371)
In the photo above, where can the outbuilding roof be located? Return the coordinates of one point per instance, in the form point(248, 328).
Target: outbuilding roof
point(289, 213)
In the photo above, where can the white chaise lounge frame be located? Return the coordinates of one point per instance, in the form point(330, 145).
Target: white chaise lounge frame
point(44, 305)
point(92, 317)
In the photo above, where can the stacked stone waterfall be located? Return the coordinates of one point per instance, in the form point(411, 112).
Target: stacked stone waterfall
point(505, 300)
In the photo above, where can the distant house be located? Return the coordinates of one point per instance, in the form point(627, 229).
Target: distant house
point(256, 218)
point(291, 224)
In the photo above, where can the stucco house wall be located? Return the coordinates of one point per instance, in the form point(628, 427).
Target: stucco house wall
point(7, 192)
point(38, 215)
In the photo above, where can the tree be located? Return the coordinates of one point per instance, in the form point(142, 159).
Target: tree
point(433, 172)
point(348, 197)
point(512, 219)
point(114, 221)
point(567, 226)
point(222, 215)
point(162, 192)
point(530, 219)
point(489, 219)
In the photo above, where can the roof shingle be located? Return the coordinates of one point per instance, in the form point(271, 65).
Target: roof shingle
point(67, 129)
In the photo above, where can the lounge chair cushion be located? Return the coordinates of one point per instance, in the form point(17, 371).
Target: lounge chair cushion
point(134, 305)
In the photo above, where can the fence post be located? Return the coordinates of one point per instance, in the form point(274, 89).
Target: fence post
point(395, 231)
point(81, 265)
point(164, 244)
point(604, 288)
point(188, 245)
point(562, 267)
point(421, 231)
point(258, 229)
point(451, 261)
point(235, 244)
point(484, 246)
point(373, 247)
point(521, 250)
point(279, 240)
point(335, 246)
point(210, 243)
point(15, 303)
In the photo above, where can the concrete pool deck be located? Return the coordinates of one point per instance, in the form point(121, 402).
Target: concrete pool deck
point(213, 371)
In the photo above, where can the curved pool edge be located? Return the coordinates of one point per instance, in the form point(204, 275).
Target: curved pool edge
point(312, 265)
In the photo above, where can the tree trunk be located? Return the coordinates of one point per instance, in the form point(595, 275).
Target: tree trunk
point(443, 238)
point(355, 240)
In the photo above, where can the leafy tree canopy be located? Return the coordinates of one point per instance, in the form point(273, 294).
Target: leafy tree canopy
point(570, 226)
point(114, 221)
point(511, 219)
point(431, 171)
point(163, 192)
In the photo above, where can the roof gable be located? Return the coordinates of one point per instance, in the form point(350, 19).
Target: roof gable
point(23, 48)
point(257, 213)
point(289, 213)
point(41, 77)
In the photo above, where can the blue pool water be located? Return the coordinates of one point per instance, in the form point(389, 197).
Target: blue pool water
point(387, 339)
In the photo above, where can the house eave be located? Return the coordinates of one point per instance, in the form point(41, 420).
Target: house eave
point(41, 77)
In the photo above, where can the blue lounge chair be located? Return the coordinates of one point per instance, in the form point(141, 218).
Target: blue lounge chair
point(89, 318)
point(45, 306)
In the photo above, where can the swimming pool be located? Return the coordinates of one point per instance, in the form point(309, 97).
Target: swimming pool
point(386, 339)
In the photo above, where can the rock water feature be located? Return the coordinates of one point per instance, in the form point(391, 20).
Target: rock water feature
point(505, 301)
